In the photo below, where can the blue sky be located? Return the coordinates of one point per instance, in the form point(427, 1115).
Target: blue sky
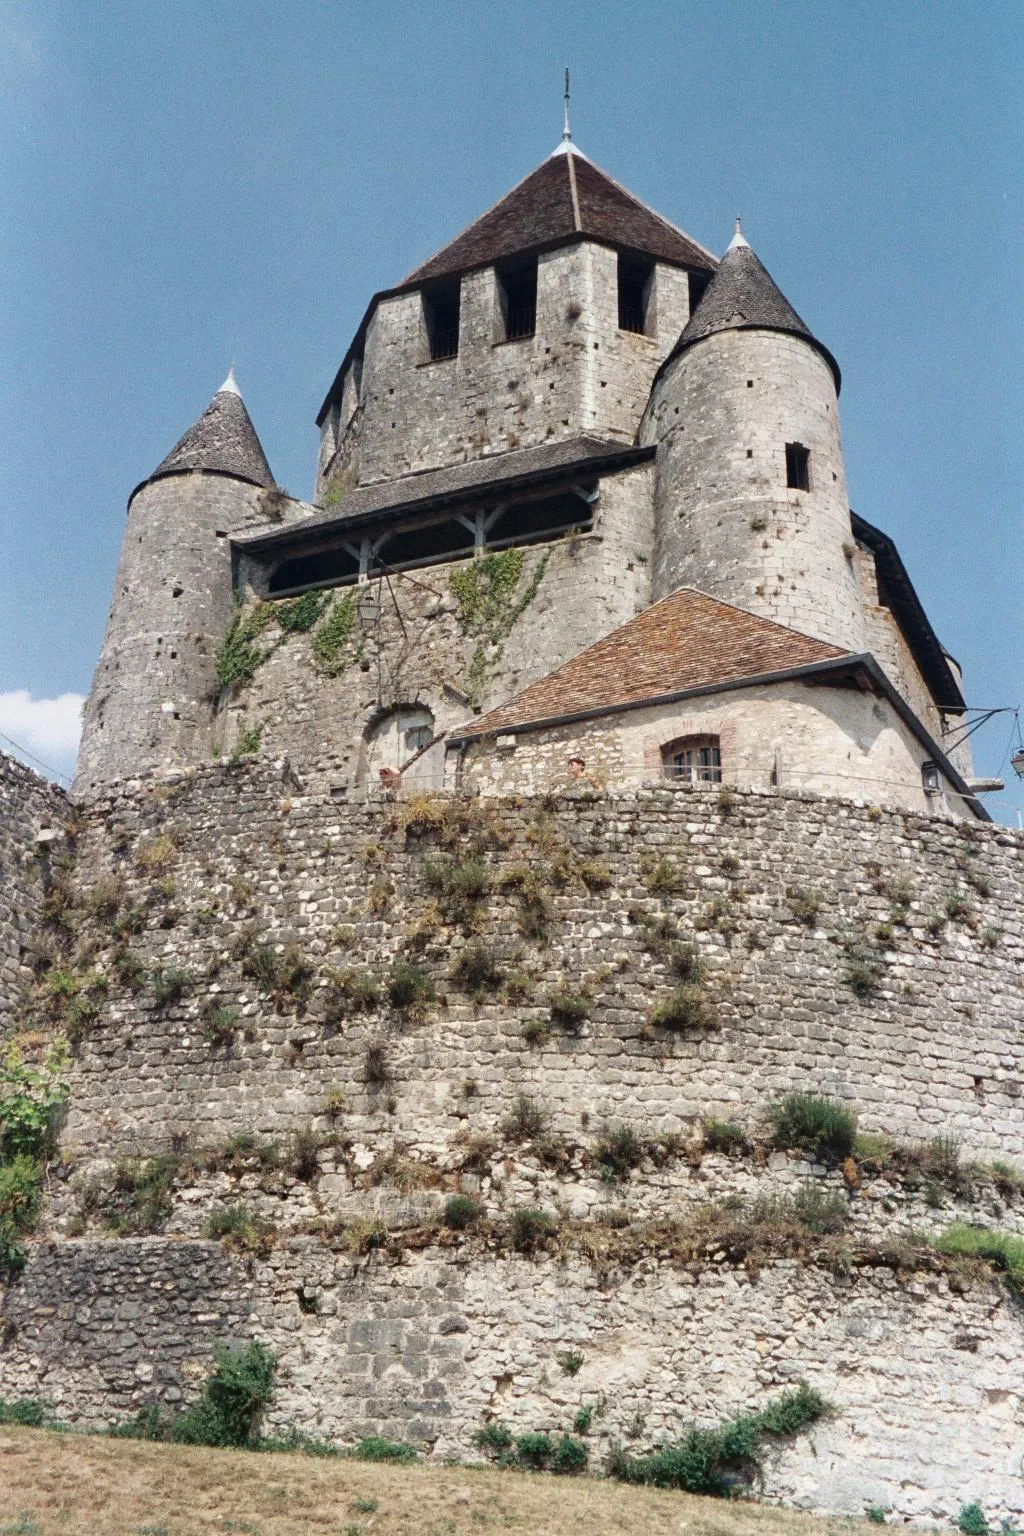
point(197, 181)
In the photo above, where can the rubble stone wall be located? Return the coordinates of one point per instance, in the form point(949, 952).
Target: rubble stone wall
point(28, 805)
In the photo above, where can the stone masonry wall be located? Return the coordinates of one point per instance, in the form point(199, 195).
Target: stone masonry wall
point(234, 915)
point(817, 739)
point(430, 1345)
point(578, 374)
point(930, 908)
point(424, 649)
point(28, 805)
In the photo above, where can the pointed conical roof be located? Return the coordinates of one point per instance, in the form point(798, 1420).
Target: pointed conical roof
point(222, 440)
point(567, 197)
point(742, 295)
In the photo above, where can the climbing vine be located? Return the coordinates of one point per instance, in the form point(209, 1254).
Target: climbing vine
point(330, 639)
point(239, 656)
point(490, 605)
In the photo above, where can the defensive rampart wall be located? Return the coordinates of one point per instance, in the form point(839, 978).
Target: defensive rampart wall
point(28, 806)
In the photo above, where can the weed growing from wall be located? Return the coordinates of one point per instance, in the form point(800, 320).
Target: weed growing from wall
point(239, 657)
point(490, 605)
point(825, 1128)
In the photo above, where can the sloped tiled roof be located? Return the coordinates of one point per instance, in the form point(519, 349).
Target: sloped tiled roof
point(223, 439)
point(743, 295)
point(688, 640)
point(566, 196)
point(428, 488)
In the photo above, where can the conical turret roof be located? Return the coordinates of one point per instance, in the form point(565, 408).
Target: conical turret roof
point(223, 440)
point(743, 295)
point(567, 197)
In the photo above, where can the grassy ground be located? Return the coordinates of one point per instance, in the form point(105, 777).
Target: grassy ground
point(70, 1485)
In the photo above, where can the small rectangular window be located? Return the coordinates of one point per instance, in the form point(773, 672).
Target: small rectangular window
point(798, 467)
point(441, 316)
point(635, 283)
point(517, 295)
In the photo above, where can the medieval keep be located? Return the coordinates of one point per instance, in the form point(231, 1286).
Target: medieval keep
point(580, 511)
point(524, 945)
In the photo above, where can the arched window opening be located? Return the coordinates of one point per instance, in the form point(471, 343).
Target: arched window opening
point(395, 743)
point(693, 760)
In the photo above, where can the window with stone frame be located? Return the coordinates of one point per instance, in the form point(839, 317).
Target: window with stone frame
point(693, 760)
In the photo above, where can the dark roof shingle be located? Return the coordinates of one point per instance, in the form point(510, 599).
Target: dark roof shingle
point(743, 295)
point(688, 640)
point(223, 439)
point(567, 196)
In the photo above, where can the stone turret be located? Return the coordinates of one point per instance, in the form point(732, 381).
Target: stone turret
point(750, 502)
point(155, 687)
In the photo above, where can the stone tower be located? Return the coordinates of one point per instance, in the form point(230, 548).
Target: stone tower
point(750, 499)
point(155, 687)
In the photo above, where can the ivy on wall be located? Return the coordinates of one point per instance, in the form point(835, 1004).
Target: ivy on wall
point(491, 604)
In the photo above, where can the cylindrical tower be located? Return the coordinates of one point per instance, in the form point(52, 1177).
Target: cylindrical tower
point(751, 501)
point(155, 685)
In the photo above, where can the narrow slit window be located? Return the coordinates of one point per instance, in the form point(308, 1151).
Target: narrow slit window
point(517, 295)
point(441, 315)
point(697, 282)
point(798, 467)
point(635, 283)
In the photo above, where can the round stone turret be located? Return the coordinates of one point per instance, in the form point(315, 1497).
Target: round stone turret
point(155, 688)
point(750, 499)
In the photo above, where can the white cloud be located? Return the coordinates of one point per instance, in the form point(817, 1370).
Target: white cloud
point(47, 728)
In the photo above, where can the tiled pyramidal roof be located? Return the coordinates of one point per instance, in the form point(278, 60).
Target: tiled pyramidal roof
point(223, 439)
point(565, 197)
point(688, 640)
point(743, 295)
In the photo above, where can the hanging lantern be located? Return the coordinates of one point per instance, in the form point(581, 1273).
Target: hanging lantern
point(368, 609)
point(1017, 762)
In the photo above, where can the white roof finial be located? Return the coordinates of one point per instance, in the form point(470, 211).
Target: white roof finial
point(738, 240)
point(230, 385)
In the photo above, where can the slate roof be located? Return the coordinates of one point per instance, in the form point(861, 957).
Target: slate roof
point(742, 295)
point(223, 440)
point(687, 641)
point(519, 467)
point(565, 197)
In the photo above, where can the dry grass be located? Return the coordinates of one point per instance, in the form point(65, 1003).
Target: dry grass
point(69, 1485)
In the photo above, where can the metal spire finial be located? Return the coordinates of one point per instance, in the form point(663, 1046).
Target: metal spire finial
point(566, 130)
point(738, 238)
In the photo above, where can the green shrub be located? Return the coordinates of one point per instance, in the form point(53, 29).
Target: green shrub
point(569, 1457)
point(31, 1099)
point(410, 989)
point(169, 985)
point(494, 1436)
point(238, 1228)
point(144, 1193)
point(863, 974)
point(570, 1009)
point(617, 1151)
point(460, 1211)
point(378, 1448)
point(874, 1514)
point(150, 1423)
point(971, 1520)
point(28, 1411)
point(1005, 1250)
point(530, 1229)
point(219, 1023)
point(570, 1361)
point(583, 1418)
point(804, 905)
point(685, 1008)
point(536, 1030)
point(725, 1136)
point(477, 970)
point(534, 915)
point(524, 1119)
point(824, 1127)
point(715, 1460)
point(460, 886)
point(534, 1450)
point(352, 991)
point(234, 1399)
